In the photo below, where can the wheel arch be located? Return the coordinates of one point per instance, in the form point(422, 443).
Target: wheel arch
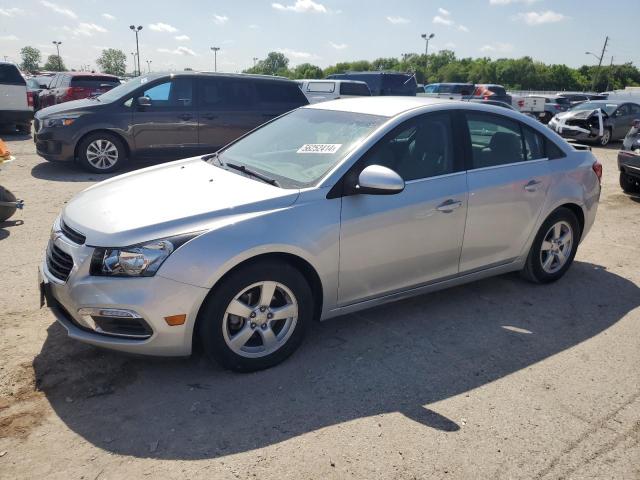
point(103, 130)
point(302, 265)
point(577, 211)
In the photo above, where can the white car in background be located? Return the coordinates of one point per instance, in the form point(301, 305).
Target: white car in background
point(16, 103)
point(324, 90)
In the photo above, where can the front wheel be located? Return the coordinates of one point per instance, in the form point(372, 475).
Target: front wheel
point(6, 211)
point(554, 247)
point(629, 184)
point(256, 317)
point(102, 152)
point(605, 138)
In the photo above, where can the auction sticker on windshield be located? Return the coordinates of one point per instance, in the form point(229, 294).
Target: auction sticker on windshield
point(319, 148)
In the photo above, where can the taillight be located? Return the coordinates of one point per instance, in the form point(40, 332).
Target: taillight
point(597, 169)
point(76, 92)
point(521, 103)
point(486, 97)
point(557, 107)
point(30, 99)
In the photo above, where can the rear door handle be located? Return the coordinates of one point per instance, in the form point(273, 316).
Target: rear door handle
point(532, 186)
point(185, 116)
point(449, 205)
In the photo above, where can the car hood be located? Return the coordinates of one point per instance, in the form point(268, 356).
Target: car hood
point(73, 106)
point(180, 197)
point(579, 114)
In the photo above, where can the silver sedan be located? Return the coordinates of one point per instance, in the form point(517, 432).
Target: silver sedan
point(329, 209)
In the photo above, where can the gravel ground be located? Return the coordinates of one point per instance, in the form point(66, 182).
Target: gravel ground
point(495, 379)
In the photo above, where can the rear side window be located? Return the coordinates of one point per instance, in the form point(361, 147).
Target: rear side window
point(321, 87)
point(431, 89)
point(279, 94)
point(553, 151)
point(495, 140)
point(533, 144)
point(562, 101)
point(10, 75)
point(94, 82)
point(228, 94)
point(354, 89)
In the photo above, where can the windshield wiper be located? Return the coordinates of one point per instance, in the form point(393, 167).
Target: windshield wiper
point(253, 173)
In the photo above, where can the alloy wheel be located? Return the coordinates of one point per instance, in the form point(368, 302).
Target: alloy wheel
point(102, 154)
point(556, 247)
point(260, 319)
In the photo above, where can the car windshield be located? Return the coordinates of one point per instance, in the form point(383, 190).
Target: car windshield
point(300, 147)
point(608, 108)
point(123, 89)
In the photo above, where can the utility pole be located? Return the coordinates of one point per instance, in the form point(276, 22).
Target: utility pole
point(57, 44)
point(215, 58)
point(595, 76)
point(136, 30)
point(426, 52)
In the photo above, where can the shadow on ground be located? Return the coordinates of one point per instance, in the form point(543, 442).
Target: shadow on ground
point(396, 358)
point(72, 172)
point(6, 225)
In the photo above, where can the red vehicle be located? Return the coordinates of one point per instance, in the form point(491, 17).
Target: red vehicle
point(67, 86)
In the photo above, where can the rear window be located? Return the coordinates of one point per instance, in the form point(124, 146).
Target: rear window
point(431, 89)
point(10, 75)
point(94, 82)
point(562, 101)
point(497, 90)
point(354, 89)
point(280, 92)
point(321, 87)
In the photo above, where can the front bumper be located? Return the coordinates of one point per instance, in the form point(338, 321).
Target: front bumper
point(51, 147)
point(629, 163)
point(152, 298)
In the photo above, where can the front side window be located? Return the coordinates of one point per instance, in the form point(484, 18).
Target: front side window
point(299, 148)
point(495, 140)
point(421, 148)
point(172, 94)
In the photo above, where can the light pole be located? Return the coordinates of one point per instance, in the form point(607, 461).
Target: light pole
point(215, 58)
point(255, 59)
point(426, 52)
point(136, 30)
point(149, 65)
point(57, 44)
point(133, 54)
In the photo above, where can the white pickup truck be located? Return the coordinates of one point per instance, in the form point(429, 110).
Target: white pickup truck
point(532, 104)
point(16, 103)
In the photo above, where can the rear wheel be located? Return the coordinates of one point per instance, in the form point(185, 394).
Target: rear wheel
point(5, 211)
point(102, 152)
point(554, 247)
point(256, 317)
point(629, 184)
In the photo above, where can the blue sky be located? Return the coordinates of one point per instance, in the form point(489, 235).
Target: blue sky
point(178, 34)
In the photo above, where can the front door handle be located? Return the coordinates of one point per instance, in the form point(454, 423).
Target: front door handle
point(185, 116)
point(449, 205)
point(532, 186)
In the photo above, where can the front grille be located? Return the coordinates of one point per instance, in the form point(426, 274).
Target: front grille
point(59, 263)
point(71, 234)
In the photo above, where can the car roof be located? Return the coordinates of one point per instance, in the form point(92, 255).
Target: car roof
point(156, 75)
point(332, 80)
point(383, 106)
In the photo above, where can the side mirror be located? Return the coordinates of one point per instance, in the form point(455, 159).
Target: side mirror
point(379, 180)
point(143, 101)
point(636, 123)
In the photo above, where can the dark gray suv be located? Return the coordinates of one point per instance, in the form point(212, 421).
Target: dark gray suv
point(161, 116)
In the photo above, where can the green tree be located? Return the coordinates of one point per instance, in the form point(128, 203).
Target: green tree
point(55, 64)
point(113, 62)
point(275, 64)
point(31, 57)
point(306, 70)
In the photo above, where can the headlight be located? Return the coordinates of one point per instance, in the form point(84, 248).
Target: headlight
point(142, 260)
point(59, 122)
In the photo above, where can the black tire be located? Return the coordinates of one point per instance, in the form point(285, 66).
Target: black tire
point(629, 184)
point(24, 128)
point(605, 139)
point(104, 137)
point(212, 314)
point(6, 212)
point(533, 269)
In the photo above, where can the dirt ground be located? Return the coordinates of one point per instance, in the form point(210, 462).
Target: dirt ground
point(495, 379)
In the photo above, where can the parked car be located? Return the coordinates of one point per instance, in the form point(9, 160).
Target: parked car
point(68, 86)
point(452, 91)
point(330, 209)
point(629, 160)
point(598, 121)
point(491, 91)
point(161, 116)
point(502, 105)
point(323, 90)
point(553, 105)
point(16, 102)
point(383, 83)
point(575, 98)
point(34, 88)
